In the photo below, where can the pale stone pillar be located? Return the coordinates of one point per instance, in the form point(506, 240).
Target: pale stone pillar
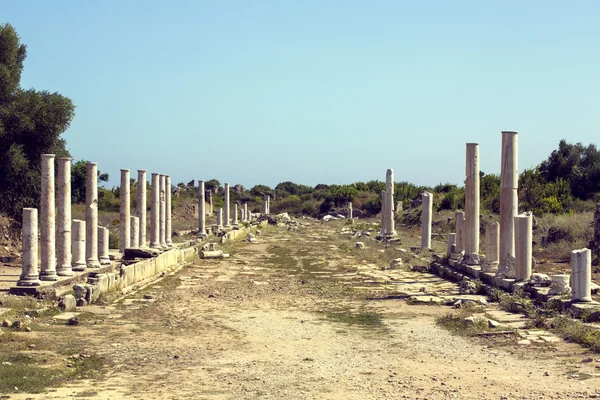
point(384, 229)
point(210, 202)
point(492, 245)
point(472, 207)
point(227, 211)
point(103, 245)
point(350, 210)
point(509, 181)
point(63, 217)
point(48, 221)
point(581, 272)
point(426, 216)
point(155, 212)
point(29, 273)
point(220, 219)
point(235, 214)
point(266, 207)
point(246, 214)
point(78, 245)
point(451, 242)
point(389, 213)
point(169, 221)
point(91, 215)
point(460, 236)
point(523, 250)
point(135, 234)
point(141, 205)
point(162, 212)
point(125, 212)
point(201, 209)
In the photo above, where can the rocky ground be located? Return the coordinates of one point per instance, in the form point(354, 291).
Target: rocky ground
point(302, 315)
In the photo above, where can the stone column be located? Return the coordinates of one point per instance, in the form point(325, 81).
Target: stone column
point(220, 219)
point(523, 250)
point(91, 216)
point(581, 271)
point(141, 205)
point(103, 245)
point(125, 213)
point(169, 222)
point(268, 205)
point(509, 203)
point(426, 220)
point(492, 245)
point(350, 210)
point(78, 245)
point(384, 229)
point(460, 225)
point(210, 202)
point(48, 221)
point(389, 213)
point(246, 214)
point(235, 214)
point(472, 204)
point(163, 212)
point(29, 273)
point(227, 211)
point(135, 234)
point(201, 210)
point(451, 243)
point(155, 212)
point(63, 217)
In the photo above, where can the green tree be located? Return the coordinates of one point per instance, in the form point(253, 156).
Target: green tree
point(31, 123)
point(78, 174)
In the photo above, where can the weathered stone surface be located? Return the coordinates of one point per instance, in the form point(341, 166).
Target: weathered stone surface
point(79, 290)
point(560, 285)
point(47, 221)
point(29, 271)
point(509, 183)
point(211, 254)
point(141, 206)
point(538, 279)
point(467, 287)
point(63, 217)
point(360, 245)
point(132, 253)
point(91, 215)
point(67, 303)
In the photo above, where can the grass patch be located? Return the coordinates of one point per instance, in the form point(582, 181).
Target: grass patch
point(361, 319)
point(456, 323)
point(577, 332)
point(281, 257)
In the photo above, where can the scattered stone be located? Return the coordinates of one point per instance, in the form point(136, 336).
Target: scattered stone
point(467, 287)
point(67, 303)
point(560, 285)
point(420, 268)
point(493, 324)
point(360, 245)
point(7, 323)
point(73, 321)
point(538, 279)
point(81, 302)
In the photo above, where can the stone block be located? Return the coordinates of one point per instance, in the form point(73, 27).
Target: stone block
point(67, 303)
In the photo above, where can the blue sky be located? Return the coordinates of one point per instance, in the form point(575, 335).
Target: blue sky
point(260, 92)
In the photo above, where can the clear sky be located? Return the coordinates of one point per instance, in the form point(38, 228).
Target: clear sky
point(314, 91)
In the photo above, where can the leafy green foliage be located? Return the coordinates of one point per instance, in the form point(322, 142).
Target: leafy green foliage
point(78, 174)
point(31, 123)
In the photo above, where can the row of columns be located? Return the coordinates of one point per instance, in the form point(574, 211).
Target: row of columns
point(73, 245)
point(160, 211)
point(225, 219)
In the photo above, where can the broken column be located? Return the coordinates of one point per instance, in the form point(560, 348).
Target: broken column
point(426, 216)
point(384, 228)
point(492, 244)
point(134, 242)
point(451, 244)
point(29, 272)
point(226, 213)
point(235, 214)
point(162, 212)
point(63, 217)
point(246, 214)
point(103, 245)
point(78, 245)
point(155, 212)
point(508, 198)
point(350, 210)
point(48, 221)
point(523, 246)
point(581, 275)
point(472, 204)
point(168, 221)
point(141, 205)
point(91, 215)
point(460, 231)
point(201, 210)
point(125, 214)
point(220, 219)
point(389, 202)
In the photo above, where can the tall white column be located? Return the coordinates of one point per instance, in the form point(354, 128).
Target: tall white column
point(268, 205)
point(350, 210)
point(581, 271)
point(235, 214)
point(220, 219)
point(63, 217)
point(523, 250)
point(135, 234)
point(492, 245)
point(125, 211)
point(384, 228)
point(29, 272)
point(155, 212)
point(472, 203)
point(426, 220)
point(163, 212)
point(201, 209)
point(141, 205)
point(227, 210)
point(78, 245)
point(48, 221)
point(91, 215)
point(168, 218)
point(508, 197)
point(103, 245)
point(460, 231)
point(246, 214)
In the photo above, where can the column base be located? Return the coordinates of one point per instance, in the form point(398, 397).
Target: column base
point(170, 244)
point(104, 261)
point(64, 271)
point(49, 276)
point(92, 264)
point(29, 280)
point(78, 267)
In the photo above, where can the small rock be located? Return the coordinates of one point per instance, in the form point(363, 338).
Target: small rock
point(67, 303)
point(7, 323)
point(73, 321)
point(493, 324)
point(360, 245)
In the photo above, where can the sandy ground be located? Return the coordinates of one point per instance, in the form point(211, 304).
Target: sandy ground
point(251, 328)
